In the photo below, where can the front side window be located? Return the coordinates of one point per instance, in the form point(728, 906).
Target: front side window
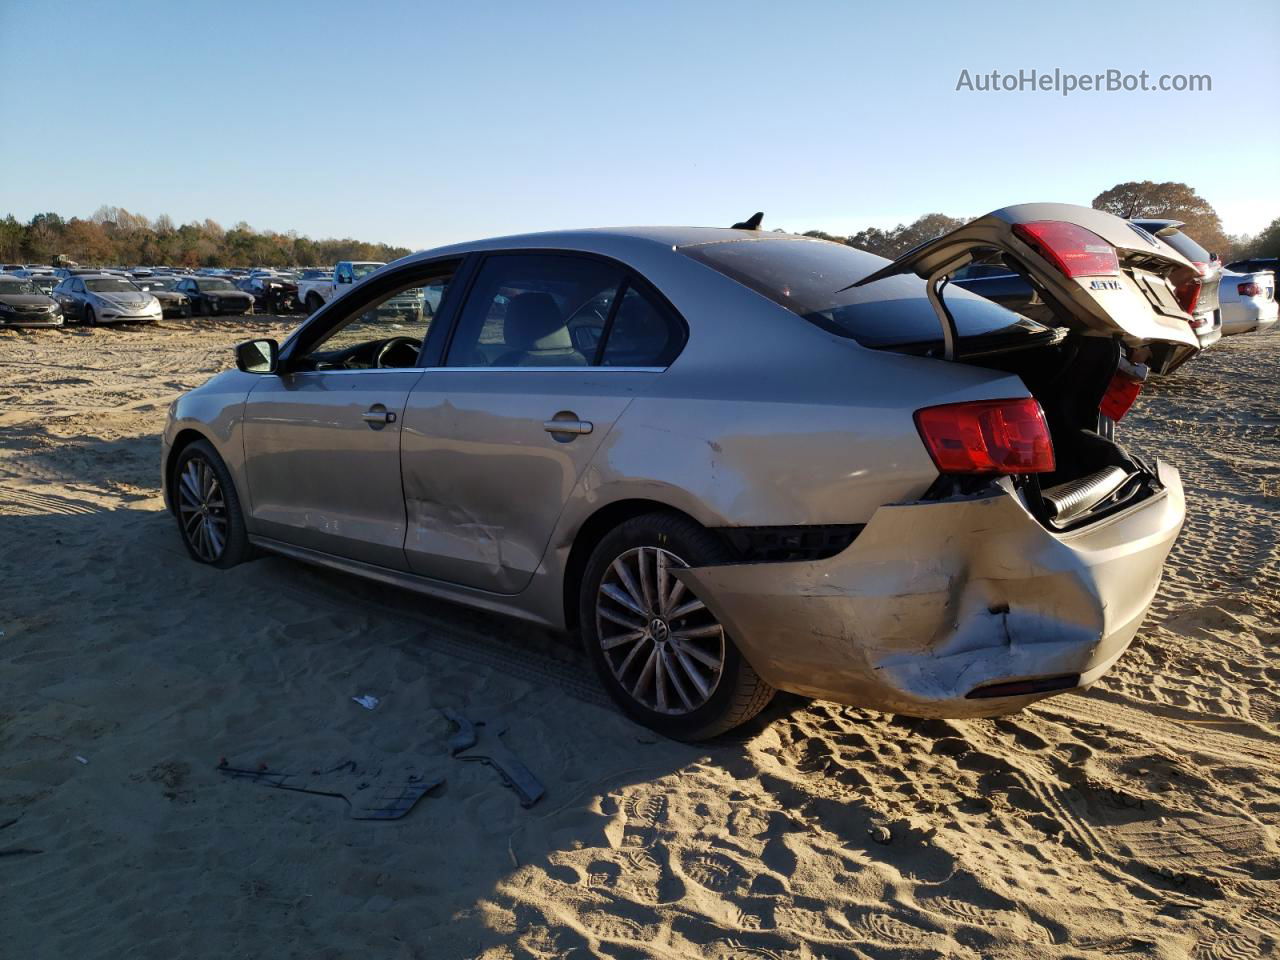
point(386, 332)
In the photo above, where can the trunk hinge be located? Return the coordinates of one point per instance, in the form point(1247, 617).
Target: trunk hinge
point(937, 280)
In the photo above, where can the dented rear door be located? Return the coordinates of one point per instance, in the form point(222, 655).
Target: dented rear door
point(485, 473)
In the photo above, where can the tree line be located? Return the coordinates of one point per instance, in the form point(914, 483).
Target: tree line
point(114, 236)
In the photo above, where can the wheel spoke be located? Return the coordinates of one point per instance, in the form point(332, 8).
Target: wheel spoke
point(660, 678)
point(693, 633)
point(693, 606)
point(684, 647)
point(623, 620)
point(677, 682)
point(190, 481)
point(677, 591)
point(646, 586)
point(646, 673)
point(215, 537)
point(626, 662)
point(619, 597)
point(691, 672)
point(663, 578)
point(629, 582)
point(608, 643)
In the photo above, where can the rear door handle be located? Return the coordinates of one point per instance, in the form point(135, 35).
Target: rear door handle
point(575, 428)
point(378, 416)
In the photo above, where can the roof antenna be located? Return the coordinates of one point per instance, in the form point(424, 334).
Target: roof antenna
point(751, 223)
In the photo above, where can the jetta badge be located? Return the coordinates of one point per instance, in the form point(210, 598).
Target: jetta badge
point(1104, 285)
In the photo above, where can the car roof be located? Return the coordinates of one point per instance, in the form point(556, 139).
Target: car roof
point(608, 240)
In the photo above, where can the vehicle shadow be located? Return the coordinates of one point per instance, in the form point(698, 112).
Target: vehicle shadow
point(797, 827)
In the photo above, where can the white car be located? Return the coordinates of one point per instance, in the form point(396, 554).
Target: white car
point(1248, 302)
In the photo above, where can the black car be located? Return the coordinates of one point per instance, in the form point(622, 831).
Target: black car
point(271, 292)
point(1255, 265)
point(165, 289)
point(210, 296)
point(22, 304)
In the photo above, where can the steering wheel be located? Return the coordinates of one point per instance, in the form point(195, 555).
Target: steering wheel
point(398, 352)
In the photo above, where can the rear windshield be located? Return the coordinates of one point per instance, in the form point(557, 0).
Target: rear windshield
point(1187, 247)
point(811, 278)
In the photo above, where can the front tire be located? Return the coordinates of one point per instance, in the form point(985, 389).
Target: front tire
point(207, 508)
point(90, 318)
point(660, 652)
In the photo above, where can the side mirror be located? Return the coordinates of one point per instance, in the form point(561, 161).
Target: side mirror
point(258, 356)
point(343, 278)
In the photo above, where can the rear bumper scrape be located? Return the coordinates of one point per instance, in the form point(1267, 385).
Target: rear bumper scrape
point(936, 599)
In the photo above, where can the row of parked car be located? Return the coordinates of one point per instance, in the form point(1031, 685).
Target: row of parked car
point(34, 295)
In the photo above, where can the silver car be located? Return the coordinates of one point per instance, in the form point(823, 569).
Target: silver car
point(734, 461)
point(103, 298)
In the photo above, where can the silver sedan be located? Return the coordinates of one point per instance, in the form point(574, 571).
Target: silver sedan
point(733, 461)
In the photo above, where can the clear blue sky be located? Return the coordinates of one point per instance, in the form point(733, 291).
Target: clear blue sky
point(421, 123)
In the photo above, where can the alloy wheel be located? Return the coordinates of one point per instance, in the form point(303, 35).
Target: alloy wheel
point(202, 508)
point(664, 646)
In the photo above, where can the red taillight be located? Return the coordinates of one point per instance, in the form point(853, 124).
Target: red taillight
point(1121, 393)
point(987, 436)
point(1075, 251)
point(1187, 292)
point(1249, 289)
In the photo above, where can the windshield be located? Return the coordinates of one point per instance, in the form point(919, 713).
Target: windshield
point(811, 278)
point(154, 283)
point(364, 269)
point(216, 285)
point(110, 285)
point(10, 287)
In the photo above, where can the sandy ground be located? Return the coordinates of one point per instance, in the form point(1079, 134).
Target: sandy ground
point(1142, 818)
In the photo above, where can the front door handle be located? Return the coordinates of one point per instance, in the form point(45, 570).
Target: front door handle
point(570, 428)
point(378, 416)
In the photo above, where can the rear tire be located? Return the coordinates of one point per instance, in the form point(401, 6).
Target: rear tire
point(666, 679)
point(207, 508)
point(314, 303)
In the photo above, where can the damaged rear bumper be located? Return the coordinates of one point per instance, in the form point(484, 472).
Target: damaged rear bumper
point(937, 601)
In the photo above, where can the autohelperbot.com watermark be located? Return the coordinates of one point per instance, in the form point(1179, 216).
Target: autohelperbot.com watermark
point(1065, 82)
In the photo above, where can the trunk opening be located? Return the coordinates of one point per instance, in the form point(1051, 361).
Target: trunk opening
point(1095, 476)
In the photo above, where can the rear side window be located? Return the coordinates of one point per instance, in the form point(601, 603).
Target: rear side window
point(558, 310)
point(641, 333)
point(813, 278)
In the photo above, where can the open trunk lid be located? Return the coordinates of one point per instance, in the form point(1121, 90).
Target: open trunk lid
point(1099, 273)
